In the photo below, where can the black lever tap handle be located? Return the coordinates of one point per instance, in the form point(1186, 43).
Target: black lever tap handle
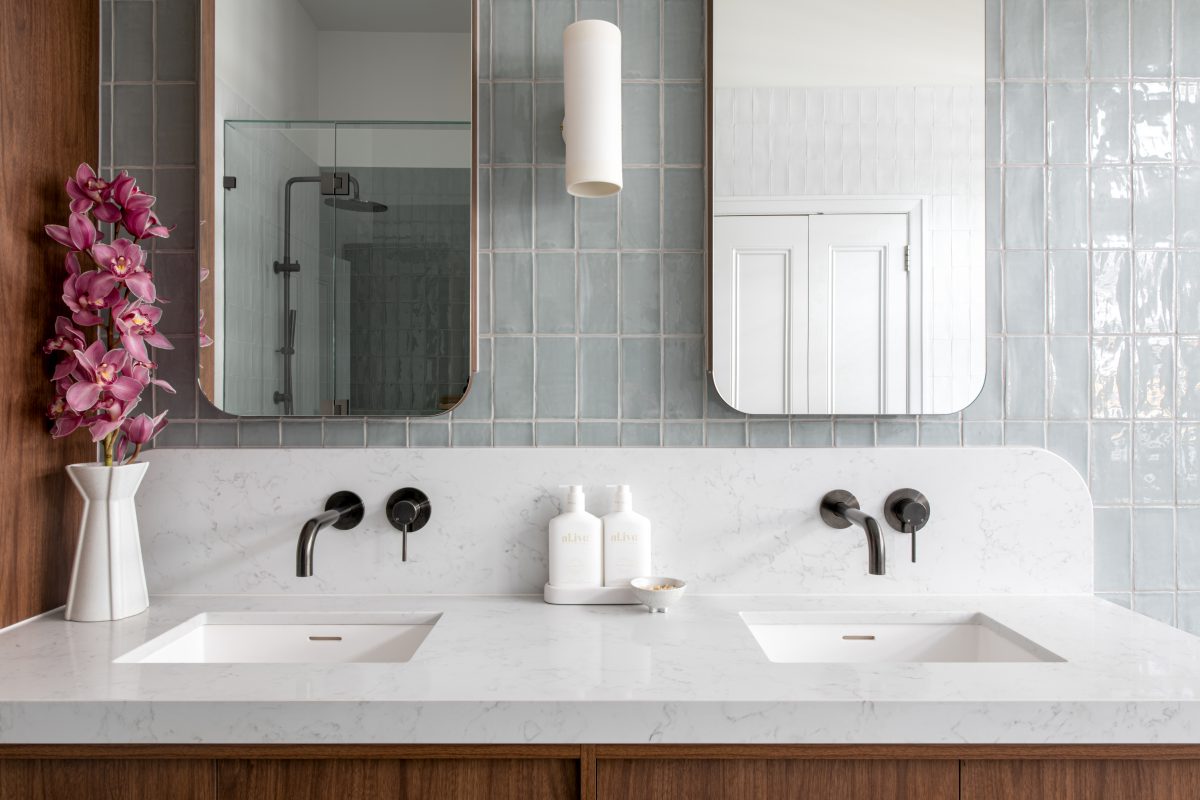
point(408, 510)
point(907, 511)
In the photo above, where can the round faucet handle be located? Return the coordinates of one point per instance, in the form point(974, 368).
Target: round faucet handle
point(403, 513)
point(907, 510)
point(408, 510)
point(912, 514)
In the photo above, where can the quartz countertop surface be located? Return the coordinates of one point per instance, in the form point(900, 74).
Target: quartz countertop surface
point(511, 669)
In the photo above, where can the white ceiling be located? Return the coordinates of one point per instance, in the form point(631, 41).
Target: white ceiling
point(413, 16)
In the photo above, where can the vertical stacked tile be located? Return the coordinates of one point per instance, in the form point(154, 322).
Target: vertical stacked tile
point(592, 312)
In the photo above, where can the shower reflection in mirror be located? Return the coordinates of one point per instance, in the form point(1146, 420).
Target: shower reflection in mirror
point(343, 257)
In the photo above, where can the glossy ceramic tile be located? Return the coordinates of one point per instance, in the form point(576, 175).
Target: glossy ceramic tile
point(1120, 133)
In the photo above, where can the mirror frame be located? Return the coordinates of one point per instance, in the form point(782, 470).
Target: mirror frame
point(709, 189)
point(206, 186)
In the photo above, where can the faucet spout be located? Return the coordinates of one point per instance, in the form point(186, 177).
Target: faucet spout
point(840, 509)
point(876, 552)
point(308, 541)
point(344, 510)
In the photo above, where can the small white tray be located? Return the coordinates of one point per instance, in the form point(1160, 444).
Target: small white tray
point(589, 595)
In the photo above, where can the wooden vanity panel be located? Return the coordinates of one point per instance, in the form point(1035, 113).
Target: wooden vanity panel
point(600, 772)
point(1081, 780)
point(396, 779)
point(83, 779)
point(309, 779)
point(49, 122)
point(778, 779)
point(492, 779)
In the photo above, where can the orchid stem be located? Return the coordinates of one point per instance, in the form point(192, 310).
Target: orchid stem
point(108, 449)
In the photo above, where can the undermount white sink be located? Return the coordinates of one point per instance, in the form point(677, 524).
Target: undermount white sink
point(287, 638)
point(863, 638)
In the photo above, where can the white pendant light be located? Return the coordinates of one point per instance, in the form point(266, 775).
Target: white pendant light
point(592, 107)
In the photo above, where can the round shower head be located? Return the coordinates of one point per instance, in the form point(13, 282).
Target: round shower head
point(354, 204)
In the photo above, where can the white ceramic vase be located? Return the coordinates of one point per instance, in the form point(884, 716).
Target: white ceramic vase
point(108, 580)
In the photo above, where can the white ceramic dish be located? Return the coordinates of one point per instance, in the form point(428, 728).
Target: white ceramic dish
point(658, 600)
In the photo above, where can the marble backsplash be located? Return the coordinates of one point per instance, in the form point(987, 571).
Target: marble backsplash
point(730, 521)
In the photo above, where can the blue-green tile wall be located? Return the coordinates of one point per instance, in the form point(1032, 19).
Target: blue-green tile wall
point(592, 311)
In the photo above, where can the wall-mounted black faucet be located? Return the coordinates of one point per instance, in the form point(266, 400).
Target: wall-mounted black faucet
point(343, 510)
point(408, 510)
point(907, 510)
point(840, 509)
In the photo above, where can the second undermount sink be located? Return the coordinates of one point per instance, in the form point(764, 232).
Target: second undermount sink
point(863, 638)
point(288, 638)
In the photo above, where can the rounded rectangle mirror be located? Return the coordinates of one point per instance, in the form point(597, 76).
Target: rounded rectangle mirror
point(848, 206)
point(338, 206)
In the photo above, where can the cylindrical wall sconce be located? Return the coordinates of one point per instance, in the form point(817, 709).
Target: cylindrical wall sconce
point(592, 107)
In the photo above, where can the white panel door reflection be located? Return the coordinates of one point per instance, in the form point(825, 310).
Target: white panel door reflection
point(812, 313)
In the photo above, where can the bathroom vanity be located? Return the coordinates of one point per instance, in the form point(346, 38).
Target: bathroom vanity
point(496, 699)
point(364, 259)
point(984, 669)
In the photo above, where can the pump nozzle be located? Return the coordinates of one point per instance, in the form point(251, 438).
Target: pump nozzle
point(575, 496)
point(622, 497)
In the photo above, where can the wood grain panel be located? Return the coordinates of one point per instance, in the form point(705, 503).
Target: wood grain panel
point(385, 779)
point(207, 186)
point(1081, 780)
point(75, 779)
point(774, 779)
point(492, 779)
point(49, 122)
point(310, 780)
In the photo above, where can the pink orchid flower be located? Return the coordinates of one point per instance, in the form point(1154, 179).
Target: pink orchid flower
point(142, 223)
point(137, 431)
point(67, 339)
point(143, 428)
point(96, 388)
point(137, 217)
point(140, 372)
point(102, 372)
point(86, 185)
point(87, 190)
point(79, 233)
point(65, 420)
point(111, 414)
point(88, 293)
point(126, 261)
point(137, 322)
point(124, 187)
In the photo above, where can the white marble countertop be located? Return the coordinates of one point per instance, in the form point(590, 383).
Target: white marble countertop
point(514, 670)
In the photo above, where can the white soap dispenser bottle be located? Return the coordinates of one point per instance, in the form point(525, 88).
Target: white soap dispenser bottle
point(626, 541)
point(576, 544)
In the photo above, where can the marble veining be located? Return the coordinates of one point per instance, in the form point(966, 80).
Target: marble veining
point(738, 521)
point(515, 670)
